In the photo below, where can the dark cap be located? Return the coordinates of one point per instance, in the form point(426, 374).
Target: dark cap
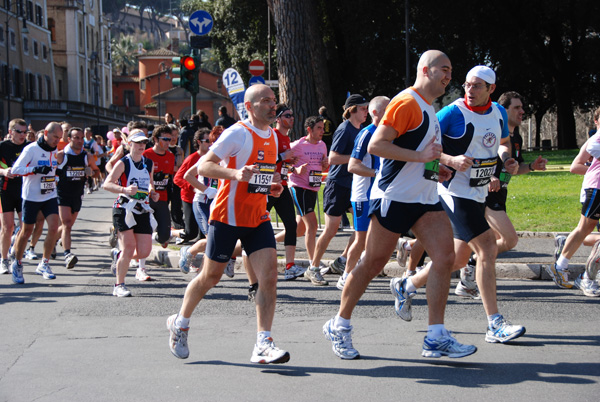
point(281, 109)
point(355, 100)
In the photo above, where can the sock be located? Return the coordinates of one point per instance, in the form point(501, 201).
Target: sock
point(261, 336)
point(435, 331)
point(67, 252)
point(407, 246)
point(182, 322)
point(340, 322)
point(342, 259)
point(562, 263)
point(45, 260)
point(345, 275)
point(289, 265)
point(410, 288)
point(492, 317)
point(313, 268)
point(142, 263)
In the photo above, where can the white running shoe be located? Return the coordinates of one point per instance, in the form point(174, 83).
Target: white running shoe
point(114, 253)
point(464, 291)
point(293, 272)
point(446, 346)
point(70, 260)
point(341, 341)
point(267, 353)
point(560, 277)
point(588, 287)
point(315, 277)
point(336, 267)
point(401, 251)
point(502, 331)
point(593, 261)
point(178, 339)
point(230, 268)
point(43, 269)
point(403, 299)
point(121, 290)
point(141, 275)
point(341, 282)
point(30, 254)
point(4, 267)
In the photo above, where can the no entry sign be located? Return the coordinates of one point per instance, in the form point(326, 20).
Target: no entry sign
point(256, 68)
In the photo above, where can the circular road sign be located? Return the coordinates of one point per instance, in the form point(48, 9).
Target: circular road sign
point(200, 22)
point(256, 68)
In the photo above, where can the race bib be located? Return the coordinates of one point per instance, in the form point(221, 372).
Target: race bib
point(48, 184)
point(140, 195)
point(75, 174)
point(314, 178)
point(432, 170)
point(261, 182)
point(482, 171)
point(285, 169)
point(161, 181)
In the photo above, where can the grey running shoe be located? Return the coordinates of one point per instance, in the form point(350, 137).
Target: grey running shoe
point(252, 289)
point(315, 277)
point(341, 282)
point(177, 339)
point(185, 259)
point(114, 253)
point(467, 276)
point(593, 261)
point(446, 346)
point(30, 254)
point(267, 353)
point(337, 266)
point(230, 268)
point(112, 237)
point(560, 277)
point(121, 290)
point(464, 291)
point(43, 269)
point(403, 299)
point(401, 252)
point(17, 273)
point(502, 331)
point(293, 272)
point(70, 260)
point(341, 341)
point(559, 244)
point(588, 287)
point(4, 267)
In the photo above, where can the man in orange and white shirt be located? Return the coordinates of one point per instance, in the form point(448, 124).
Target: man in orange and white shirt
point(243, 159)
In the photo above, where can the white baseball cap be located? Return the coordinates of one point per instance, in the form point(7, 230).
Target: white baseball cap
point(483, 72)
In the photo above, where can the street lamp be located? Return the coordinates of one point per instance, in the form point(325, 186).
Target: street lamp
point(162, 68)
point(9, 69)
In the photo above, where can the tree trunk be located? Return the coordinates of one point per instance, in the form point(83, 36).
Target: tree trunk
point(303, 78)
point(565, 119)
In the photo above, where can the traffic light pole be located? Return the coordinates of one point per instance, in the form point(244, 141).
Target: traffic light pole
point(195, 52)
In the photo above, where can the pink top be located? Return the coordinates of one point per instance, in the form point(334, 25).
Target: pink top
point(592, 176)
point(311, 154)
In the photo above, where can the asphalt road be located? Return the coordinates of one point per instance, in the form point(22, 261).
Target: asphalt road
point(71, 340)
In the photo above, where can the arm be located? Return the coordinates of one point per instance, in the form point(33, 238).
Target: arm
point(190, 177)
point(111, 182)
point(355, 166)
point(119, 153)
point(382, 146)
point(210, 167)
point(338, 159)
point(20, 167)
point(578, 166)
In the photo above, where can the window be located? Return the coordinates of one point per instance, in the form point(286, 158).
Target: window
point(25, 45)
point(128, 98)
point(81, 80)
point(52, 28)
point(30, 15)
point(44, 52)
point(39, 15)
point(143, 84)
point(80, 36)
point(31, 86)
point(48, 88)
point(36, 50)
point(13, 39)
point(4, 81)
point(39, 86)
point(60, 91)
point(1, 34)
point(17, 83)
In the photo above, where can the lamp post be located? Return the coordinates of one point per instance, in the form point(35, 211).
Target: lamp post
point(162, 68)
point(10, 78)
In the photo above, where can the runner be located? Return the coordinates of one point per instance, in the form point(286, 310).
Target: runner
point(131, 178)
point(248, 151)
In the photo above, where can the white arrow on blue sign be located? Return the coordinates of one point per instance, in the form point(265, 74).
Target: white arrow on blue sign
point(256, 80)
point(201, 22)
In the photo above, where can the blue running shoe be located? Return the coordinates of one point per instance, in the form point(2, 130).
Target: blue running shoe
point(114, 253)
point(341, 341)
point(185, 259)
point(502, 331)
point(43, 269)
point(17, 273)
point(403, 303)
point(446, 346)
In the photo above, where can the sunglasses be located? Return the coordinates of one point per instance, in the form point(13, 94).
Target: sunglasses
point(141, 142)
point(205, 140)
point(288, 115)
point(165, 139)
point(19, 131)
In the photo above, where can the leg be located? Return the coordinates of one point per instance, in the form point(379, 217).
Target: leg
point(577, 236)
point(506, 235)
point(68, 219)
point(310, 224)
point(355, 250)
point(7, 220)
point(332, 224)
point(51, 235)
point(264, 262)
point(486, 250)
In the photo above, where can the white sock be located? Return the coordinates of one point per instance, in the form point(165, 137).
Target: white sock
point(345, 275)
point(182, 322)
point(435, 331)
point(410, 288)
point(142, 263)
point(340, 322)
point(407, 246)
point(562, 263)
point(261, 336)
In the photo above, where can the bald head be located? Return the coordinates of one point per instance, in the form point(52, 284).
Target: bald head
point(256, 92)
point(260, 102)
point(53, 133)
point(434, 73)
point(431, 58)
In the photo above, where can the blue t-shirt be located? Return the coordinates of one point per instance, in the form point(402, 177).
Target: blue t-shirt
point(343, 143)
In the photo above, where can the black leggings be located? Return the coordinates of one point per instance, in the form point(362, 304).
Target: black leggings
point(191, 226)
point(284, 205)
point(163, 218)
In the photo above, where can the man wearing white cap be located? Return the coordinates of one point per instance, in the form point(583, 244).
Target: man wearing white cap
point(475, 133)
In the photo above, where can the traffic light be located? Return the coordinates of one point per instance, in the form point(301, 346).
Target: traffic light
point(187, 67)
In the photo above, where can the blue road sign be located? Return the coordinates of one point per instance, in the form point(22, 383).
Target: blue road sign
point(201, 22)
point(256, 80)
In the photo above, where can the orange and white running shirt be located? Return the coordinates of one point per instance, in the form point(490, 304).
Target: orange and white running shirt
point(244, 203)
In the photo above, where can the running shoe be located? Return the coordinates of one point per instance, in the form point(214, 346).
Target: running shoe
point(337, 266)
point(401, 251)
point(407, 274)
point(177, 339)
point(4, 267)
point(113, 239)
point(267, 353)
point(341, 282)
point(341, 341)
point(403, 299)
point(252, 289)
point(293, 272)
point(141, 275)
point(185, 259)
point(315, 277)
point(53, 253)
point(593, 261)
point(30, 254)
point(446, 346)
point(464, 291)
point(70, 260)
point(155, 238)
point(588, 287)
point(179, 240)
point(43, 269)
point(230, 268)
point(121, 290)
point(502, 331)
point(114, 253)
point(133, 263)
point(560, 277)
point(17, 273)
point(559, 244)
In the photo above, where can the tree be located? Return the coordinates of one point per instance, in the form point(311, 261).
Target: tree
point(122, 54)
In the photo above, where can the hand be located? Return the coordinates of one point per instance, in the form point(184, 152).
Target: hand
point(88, 171)
point(462, 162)
point(511, 166)
point(9, 174)
point(131, 190)
point(444, 173)
point(325, 163)
point(155, 196)
point(539, 163)
point(276, 190)
point(276, 177)
point(431, 151)
point(210, 193)
point(288, 156)
point(42, 169)
point(245, 173)
point(494, 184)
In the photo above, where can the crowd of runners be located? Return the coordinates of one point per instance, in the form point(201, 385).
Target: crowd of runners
point(416, 182)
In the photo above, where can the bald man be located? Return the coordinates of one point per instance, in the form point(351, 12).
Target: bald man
point(37, 163)
point(404, 196)
point(248, 151)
